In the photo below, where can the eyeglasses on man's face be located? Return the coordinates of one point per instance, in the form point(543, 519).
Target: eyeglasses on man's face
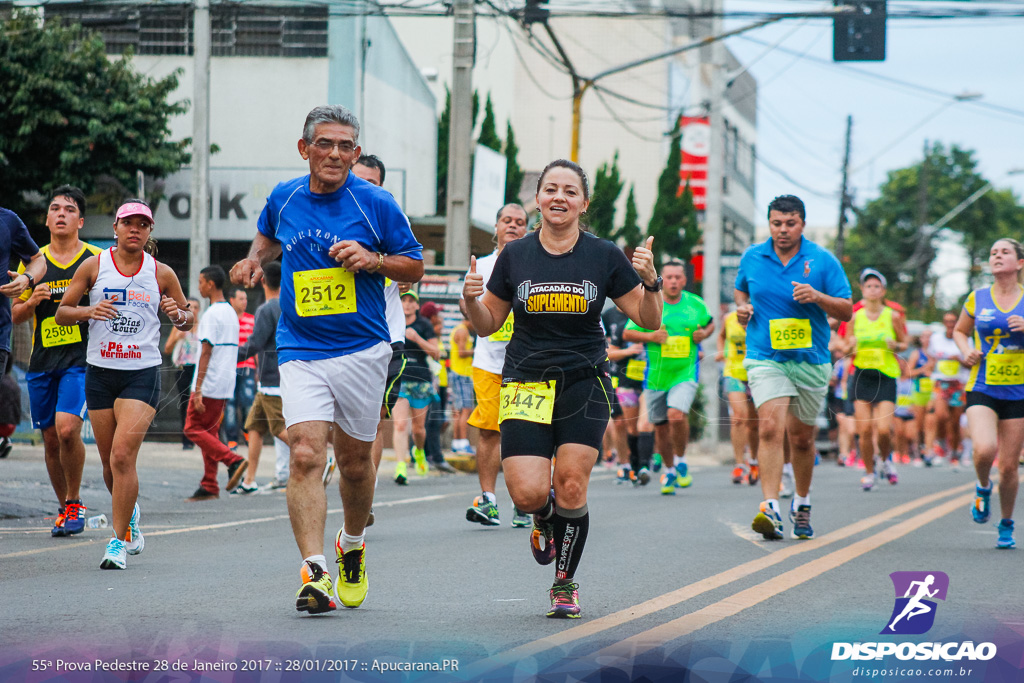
point(344, 146)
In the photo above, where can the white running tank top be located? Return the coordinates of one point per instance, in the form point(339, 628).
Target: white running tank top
point(489, 352)
point(946, 354)
point(393, 311)
point(130, 341)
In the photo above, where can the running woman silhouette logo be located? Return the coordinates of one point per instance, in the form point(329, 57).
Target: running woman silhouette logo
point(914, 611)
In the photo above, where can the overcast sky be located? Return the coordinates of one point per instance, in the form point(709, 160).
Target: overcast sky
point(804, 99)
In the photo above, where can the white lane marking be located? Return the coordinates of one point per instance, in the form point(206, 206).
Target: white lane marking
point(225, 525)
point(747, 534)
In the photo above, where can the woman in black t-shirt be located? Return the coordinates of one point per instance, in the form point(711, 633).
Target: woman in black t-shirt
point(555, 389)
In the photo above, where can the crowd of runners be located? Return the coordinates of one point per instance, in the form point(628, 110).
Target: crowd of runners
point(569, 349)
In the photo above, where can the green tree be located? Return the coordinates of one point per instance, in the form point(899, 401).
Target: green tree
point(891, 232)
point(607, 188)
point(998, 216)
point(488, 128)
point(673, 221)
point(514, 174)
point(630, 234)
point(444, 125)
point(71, 115)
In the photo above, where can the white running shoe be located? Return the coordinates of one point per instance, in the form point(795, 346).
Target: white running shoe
point(115, 557)
point(135, 541)
point(788, 485)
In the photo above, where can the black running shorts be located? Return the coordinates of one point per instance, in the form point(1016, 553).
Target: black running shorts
point(873, 386)
point(103, 386)
point(1004, 409)
point(580, 416)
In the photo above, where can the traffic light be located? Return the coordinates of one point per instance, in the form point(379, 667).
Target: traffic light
point(535, 11)
point(859, 36)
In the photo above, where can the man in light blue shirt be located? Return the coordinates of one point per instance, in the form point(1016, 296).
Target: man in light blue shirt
point(786, 288)
point(339, 237)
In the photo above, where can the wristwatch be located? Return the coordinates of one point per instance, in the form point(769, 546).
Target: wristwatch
point(31, 280)
point(380, 262)
point(654, 288)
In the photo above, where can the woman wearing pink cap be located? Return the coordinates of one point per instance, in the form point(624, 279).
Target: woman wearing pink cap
point(126, 287)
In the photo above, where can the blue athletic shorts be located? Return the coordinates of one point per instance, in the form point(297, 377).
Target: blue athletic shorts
point(418, 394)
point(57, 391)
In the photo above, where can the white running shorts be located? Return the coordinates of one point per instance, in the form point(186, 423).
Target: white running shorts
point(347, 390)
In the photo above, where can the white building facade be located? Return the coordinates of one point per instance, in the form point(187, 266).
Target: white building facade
point(271, 65)
point(632, 116)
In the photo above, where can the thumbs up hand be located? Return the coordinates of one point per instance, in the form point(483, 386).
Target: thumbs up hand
point(643, 263)
point(474, 285)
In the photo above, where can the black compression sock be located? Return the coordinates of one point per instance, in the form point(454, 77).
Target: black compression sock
point(645, 446)
point(571, 528)
point(634, 454)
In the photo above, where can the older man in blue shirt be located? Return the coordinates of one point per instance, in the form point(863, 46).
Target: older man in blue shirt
point(786, 288)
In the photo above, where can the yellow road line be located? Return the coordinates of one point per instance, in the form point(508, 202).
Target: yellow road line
point(745, 599)
point(697, 588)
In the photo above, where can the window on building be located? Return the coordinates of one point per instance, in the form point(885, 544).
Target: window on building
point(236, 31)
point(744, 161)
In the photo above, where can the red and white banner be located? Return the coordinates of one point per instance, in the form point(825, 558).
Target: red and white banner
point(694, 168)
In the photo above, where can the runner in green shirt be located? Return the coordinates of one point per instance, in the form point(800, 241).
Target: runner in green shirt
point(671, 383)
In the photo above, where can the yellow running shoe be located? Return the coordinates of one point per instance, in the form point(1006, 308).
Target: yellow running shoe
point(420, 456)
point(315, 595)
point(352, 582)
point(401, 473)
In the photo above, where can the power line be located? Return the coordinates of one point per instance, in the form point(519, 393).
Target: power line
point(622, 123)
point(889, 79)
point(529, 72)
point(789, 178)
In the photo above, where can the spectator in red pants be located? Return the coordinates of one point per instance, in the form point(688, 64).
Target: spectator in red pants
point(10, 407)
point(213, 385)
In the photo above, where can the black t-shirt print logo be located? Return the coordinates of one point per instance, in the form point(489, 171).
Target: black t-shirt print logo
point(557, 297)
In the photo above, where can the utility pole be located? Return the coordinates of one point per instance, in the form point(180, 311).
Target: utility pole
point(581, 84)
point(924, 236)
point(844, 193)
point(460, 137)
point(199, 248)
point(713, 57)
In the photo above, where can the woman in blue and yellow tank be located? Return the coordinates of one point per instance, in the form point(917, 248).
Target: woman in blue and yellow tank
point(994, 316)
point(877, 332)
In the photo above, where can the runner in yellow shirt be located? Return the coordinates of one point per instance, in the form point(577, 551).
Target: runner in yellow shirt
point(732, 348)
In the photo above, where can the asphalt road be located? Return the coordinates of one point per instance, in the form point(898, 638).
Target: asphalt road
point(668, 584)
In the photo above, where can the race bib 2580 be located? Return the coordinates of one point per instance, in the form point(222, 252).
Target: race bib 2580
point(53, 334)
